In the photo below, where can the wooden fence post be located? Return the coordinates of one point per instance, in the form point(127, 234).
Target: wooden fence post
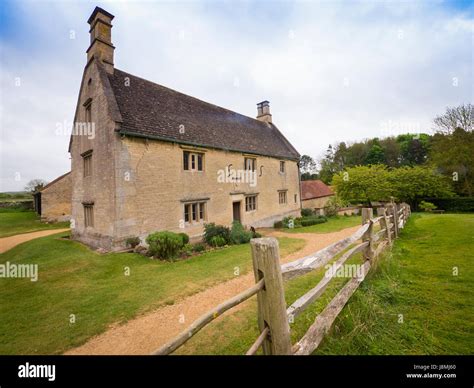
point(382, 212)
point(368, 236)
point(271, 299)
point(395, 219)
point(367, 214)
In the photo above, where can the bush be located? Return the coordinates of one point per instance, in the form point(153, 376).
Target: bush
point(212, 230)
point(307, 212)
point(308, 221)
point(238, 235)
point(289, 222)
point(132, 242)
point(456, 204)
point(278, 225)
point(217, 241)
point(164, 245)
point(427, 206)
point(199, 247)
point(185, 238)
point(333, 205)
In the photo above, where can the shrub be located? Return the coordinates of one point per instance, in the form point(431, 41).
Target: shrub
point(185, 238)
point(278, 225)
point(333, 205)
point(199, 247)
point(238, 235)
point(212, 230)
point(427, 206)
point(308, 221)
point(306, 212)
point(289, 222)
point(164, 245)
point(456, 204)
point(217, 241)
point(132, 242)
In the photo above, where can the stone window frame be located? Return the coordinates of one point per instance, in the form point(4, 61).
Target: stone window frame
point(192, 157)
point(88, 214)
point(282, 167)
point(282, 197)
point(250, 163)
point(87, 163)
point(249, 206)
point(88, 111)
point(195, 212)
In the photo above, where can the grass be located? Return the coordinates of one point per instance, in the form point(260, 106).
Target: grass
point(334, 224)
point(13, 221)
point(415, 280)
point(75, 280)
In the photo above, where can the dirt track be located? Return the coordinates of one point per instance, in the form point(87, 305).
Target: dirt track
point(7, 243)
point(148, 332)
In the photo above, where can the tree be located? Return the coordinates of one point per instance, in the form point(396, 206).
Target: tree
point(453, 154)
point(363, 183)
point(375, 155)
point(328, 167)
point(307, 164)
point(378, 183)
point(35, 185)
point(461, 116)
point(411, 183)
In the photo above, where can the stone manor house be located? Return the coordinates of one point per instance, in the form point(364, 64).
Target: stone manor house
point(146, 158)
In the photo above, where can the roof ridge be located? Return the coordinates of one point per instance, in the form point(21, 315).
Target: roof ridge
point(195, 98)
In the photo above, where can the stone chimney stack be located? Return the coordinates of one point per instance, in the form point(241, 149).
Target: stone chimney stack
point(101, 46)
point(263, 112)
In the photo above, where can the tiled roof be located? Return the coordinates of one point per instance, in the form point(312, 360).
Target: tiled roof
point(154, 111)
point(55, 180)
point(314, 189)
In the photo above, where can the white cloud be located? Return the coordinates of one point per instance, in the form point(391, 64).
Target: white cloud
point(332, 71)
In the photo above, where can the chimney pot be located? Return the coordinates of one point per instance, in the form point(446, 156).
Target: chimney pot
point(263, 111)
point(101, 46)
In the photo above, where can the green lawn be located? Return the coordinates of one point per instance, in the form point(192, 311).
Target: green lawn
point(334, 224)
point(14, 221)
point(415, 280)
point(75, 280)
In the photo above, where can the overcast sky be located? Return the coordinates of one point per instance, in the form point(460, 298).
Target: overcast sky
point(332, 71)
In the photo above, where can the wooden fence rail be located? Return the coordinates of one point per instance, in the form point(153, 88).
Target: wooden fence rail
point(273, 315)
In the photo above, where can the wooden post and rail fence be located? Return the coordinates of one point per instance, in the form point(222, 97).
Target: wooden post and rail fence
point(273, 314)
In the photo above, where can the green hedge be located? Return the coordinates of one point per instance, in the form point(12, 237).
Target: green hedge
point(457, 204)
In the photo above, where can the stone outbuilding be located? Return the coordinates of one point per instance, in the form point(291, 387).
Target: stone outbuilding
point(53, 202)
point(315, 194)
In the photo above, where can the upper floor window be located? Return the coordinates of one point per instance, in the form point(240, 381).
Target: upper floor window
point(87, 163)
point(250, 164)
point(250, 203)
point(193, 161)
point(282, 197)
point(88, 115)
point(282, 166)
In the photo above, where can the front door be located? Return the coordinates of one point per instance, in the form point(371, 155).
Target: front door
point(236, 211)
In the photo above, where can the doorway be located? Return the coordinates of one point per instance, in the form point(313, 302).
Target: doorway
point(236, 211)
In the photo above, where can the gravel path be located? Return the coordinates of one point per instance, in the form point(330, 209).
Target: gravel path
point(148, 332)
point(7, 243)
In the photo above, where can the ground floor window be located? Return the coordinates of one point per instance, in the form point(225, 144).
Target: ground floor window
point(194, 212)
point(282, 197)
point(88, 215)
point(250, 203)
